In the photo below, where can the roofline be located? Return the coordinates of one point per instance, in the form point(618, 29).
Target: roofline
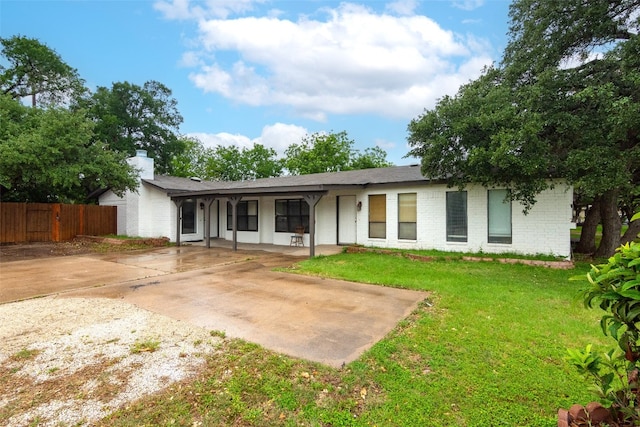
point(288, 190)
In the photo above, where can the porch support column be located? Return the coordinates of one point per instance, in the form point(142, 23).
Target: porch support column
point(312, 200)
point(178, 203)
point(234, 219)
point(208, 201)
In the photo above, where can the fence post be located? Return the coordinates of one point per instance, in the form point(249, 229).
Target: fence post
point(81, 214)
point(55, 222)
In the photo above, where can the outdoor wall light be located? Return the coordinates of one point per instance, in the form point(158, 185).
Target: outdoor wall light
point(359, 205)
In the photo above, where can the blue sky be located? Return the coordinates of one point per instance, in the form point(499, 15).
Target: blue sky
point(271, 71)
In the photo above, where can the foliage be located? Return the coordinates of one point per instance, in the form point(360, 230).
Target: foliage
point(332, 152)
point(192, 160)
point(319, 153)
point(130, 117)
point(564, 102)
point(614, 287)
point(234, 164)
point(478, 136)
point(373, 157)
point(148, 345)
point(38, 72)
point(223, 163)
point(47, 156)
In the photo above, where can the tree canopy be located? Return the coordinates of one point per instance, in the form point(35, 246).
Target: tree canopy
point(130, 117)
point(38, 72)
point(234, 164)
point(222, 163)
point(46, 155)
point(330, 152)
point(564, 103)
point(315, 154)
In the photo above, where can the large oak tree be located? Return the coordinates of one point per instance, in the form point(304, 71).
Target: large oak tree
point(130, 117)
point(564, 103)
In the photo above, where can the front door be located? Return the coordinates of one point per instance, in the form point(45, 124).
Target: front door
point(347, 220)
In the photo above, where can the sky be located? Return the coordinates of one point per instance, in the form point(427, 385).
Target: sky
point(273, 71)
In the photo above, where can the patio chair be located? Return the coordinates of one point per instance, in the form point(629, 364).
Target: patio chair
point(298, 238)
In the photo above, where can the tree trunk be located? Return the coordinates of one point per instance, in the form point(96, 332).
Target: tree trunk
point(632, 232)
point(587, 243)
point(611, 225)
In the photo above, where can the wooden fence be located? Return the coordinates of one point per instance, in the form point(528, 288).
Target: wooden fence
point(56, 222)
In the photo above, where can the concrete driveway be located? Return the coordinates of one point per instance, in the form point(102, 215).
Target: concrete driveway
point(328, 321)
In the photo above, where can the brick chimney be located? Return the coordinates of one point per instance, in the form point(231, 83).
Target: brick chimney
point(143, 163)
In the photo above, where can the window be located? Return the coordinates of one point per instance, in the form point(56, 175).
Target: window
point(246, 214)
point(456, 216)
point(499, 216)
point(407, 216)
point(291, 214)
point(188, 216)
point(378, 216)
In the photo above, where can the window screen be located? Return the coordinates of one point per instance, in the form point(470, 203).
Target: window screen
point(457, 216)
point(291, 214)
point(378, 216)
point(246, 214)
point(499, 215)
point(407, 216)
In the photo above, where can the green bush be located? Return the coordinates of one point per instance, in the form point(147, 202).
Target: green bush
point(614, 287)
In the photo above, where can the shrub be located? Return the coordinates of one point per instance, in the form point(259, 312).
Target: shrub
point(614, 287)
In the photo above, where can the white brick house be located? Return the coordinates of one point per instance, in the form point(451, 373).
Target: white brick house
point(392, 207)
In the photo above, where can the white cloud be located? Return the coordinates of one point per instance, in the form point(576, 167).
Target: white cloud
point(354, 61)
point(468, 4)
point(190, 59)
point(384, 144)
point(211, 140)
point(188, 9)
point(278, 136)
point(402, 7)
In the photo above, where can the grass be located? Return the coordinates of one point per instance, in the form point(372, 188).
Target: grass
point(447, 255)
point(575, 233)
point(148, 345)
point(485, 348)
point(25, 354)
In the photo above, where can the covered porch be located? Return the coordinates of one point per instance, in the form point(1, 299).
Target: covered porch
point(301, 251)
point(235, 193)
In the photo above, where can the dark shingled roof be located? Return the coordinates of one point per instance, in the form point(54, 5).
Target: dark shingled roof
point(319, 182)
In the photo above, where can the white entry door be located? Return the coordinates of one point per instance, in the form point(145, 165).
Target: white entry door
point(347, 220)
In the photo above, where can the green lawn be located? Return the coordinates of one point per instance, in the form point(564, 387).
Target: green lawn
point(485, 349)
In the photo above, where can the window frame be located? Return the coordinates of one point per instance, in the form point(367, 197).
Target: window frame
point(497, 237)
point(290, 214)
point(453, 213)
point(377, 219)
point(244, 219)
point(407, 221)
